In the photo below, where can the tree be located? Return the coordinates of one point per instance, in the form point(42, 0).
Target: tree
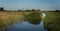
point(38, 9)
point(27, 10)
point(57, 10)
point(33, 10)
point(19, 10)
point(1, 9)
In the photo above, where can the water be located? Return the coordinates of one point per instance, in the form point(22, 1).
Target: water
point(26, 26)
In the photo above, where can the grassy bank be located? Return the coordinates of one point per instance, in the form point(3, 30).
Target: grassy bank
point(33, 17)
point(7, 18)
point(52, 21)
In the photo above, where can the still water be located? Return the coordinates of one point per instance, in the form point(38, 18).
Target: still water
point(26, 26)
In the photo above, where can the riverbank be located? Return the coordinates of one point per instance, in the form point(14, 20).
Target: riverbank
point(33, 17)
point(7, 18)
point(52, 21)
point(10, 17)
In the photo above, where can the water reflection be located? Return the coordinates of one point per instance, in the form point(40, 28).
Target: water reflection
point(26, 26)
point(35, 22)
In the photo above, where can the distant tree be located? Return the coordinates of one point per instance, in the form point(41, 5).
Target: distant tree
point(33, 10)
point(57, 10)
point(1, 9)
point(38, 9)
point(19, 10)
point(27, 10)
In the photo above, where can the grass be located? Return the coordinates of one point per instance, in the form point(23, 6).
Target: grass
point(7, 18)
point(33, 17)
point(52, 21)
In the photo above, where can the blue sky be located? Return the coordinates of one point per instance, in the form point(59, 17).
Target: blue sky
point(30, 4)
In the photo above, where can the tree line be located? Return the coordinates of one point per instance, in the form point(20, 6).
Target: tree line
point(2, 9)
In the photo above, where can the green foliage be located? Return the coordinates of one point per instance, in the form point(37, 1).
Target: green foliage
point(33, 10)
point(33, 17)
point(1, 9)
point(27, 10)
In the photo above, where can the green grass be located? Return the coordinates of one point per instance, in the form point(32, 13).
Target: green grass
point(52, 21)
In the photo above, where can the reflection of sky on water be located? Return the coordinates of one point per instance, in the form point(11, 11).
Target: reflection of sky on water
point(25, 26)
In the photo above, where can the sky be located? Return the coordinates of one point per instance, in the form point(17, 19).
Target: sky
point(30, 4)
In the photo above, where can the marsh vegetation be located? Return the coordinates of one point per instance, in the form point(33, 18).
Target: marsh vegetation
point(51, 21)
point(33, 16)
point(7, 18)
